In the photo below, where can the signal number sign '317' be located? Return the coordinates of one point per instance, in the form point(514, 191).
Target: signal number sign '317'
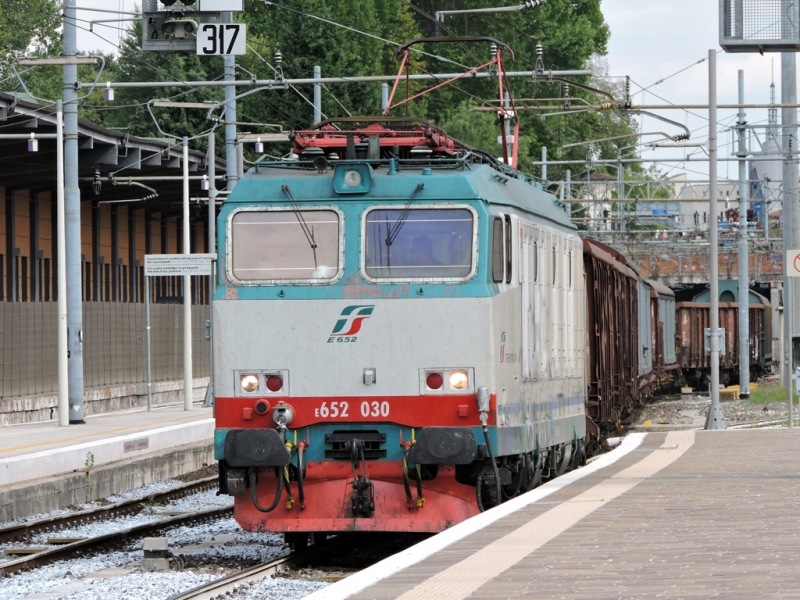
point(221, 38)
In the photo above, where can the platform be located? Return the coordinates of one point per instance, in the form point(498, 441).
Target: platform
point(665, 515)
point(44, 466)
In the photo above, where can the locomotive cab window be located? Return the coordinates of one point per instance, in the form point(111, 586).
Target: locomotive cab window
point(266, 246)
point(498, 260)
point(509, 246)
point(501, 249)
point(422, 243)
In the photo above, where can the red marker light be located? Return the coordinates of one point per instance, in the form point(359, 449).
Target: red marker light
point(434, 381)
point(274, 383)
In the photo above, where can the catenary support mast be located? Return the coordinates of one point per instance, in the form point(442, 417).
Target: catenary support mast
point(715, 418)
point(744, 270)
point(72, 219)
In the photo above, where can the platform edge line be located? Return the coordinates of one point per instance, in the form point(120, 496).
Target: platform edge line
point(389, 566)
point(115, 439)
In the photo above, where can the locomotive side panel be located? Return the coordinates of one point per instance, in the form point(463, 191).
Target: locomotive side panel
point(550, 318)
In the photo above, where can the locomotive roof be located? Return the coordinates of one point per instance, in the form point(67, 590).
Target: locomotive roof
point(473, 182)
point(449, 169)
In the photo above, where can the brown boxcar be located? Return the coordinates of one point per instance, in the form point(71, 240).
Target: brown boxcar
point(692, 319)
point(612, 337)
point(662, 319)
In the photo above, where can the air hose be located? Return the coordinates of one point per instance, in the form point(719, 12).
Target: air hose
point(254, 497)
point(300, 491)
point(290, 498)
point(406, 485)
point(494, 463)
point(420, 496)
point(479, 490)
point(407, 445)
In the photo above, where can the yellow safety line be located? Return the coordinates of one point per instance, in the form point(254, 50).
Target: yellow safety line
point(88, 435)
point(463, 578)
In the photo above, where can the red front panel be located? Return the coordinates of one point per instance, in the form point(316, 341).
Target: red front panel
point(411, 411)
point(328, 504)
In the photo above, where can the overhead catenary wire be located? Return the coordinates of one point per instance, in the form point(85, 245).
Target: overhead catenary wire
point(354, 30)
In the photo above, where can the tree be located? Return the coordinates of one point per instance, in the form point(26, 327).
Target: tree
point(30, 28)
point(129, 110)
point(358, 37)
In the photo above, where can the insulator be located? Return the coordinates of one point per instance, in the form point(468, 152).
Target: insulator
point(627, 92)
point(278, 57)
point(539, 58)
point(493, 51)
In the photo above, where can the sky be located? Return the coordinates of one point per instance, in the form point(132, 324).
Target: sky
point(650, 40)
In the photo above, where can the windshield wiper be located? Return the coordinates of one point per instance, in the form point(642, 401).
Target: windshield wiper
point(308, 232)
point(391, 234)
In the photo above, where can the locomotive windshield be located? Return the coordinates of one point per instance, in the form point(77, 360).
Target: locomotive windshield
point(429, 243)
point(281, 245)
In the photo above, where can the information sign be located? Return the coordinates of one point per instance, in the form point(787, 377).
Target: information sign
point(157, 265)
point(659, 213)
point(221, 38)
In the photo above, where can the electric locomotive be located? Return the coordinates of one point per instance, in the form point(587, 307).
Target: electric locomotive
point(399, 333)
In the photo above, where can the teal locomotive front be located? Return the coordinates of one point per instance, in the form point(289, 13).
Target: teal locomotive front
point(399, 326)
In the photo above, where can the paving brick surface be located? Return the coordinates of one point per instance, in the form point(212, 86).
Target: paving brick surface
point(722, 521)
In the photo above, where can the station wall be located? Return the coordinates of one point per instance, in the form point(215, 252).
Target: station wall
point(114, 240)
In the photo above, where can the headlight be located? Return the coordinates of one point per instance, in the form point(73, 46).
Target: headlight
point(352, 179)
point(458, 380)
point(249, 383)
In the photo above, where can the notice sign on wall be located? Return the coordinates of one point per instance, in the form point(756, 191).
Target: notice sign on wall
point(793, 263)
point(157, 265)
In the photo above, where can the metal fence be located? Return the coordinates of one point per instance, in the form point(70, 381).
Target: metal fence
point(114, 345)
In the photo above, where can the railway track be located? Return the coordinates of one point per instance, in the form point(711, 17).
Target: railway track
point(346, 552)
point(24, 531)
point(231, 583)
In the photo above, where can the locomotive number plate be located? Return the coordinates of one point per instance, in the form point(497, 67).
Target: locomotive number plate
point(342, 410)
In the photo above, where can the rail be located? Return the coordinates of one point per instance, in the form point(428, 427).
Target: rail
point(25, 530)
point(230, 583)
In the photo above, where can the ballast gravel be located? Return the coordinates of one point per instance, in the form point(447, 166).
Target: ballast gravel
point(199, 501)
point(278, 589)
point(209, 551)
point(146, 490)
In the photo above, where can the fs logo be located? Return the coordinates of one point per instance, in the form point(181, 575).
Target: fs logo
point(349, 323)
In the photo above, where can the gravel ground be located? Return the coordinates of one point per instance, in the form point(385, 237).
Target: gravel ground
point(151, 513)
point(145, 490)
point(690, 410)
point(278, 589)
point(209, 551)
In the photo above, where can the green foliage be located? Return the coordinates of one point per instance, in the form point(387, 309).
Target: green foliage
point(319, 32)
point(768, 393)
point(305, 42)
point(133, 64)
point(29, 28)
